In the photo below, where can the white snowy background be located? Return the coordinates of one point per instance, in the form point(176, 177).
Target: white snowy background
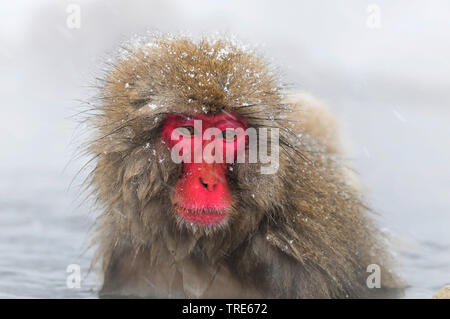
point(390, 87)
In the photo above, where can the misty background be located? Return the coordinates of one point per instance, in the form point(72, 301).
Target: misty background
point(382, 66)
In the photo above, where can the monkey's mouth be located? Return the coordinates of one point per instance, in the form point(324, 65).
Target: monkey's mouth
point(203, 217)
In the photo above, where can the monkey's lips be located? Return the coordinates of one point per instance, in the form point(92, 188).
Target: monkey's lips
point(203, 217)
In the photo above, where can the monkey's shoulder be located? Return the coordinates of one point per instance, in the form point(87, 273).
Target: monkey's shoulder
point(311, 116)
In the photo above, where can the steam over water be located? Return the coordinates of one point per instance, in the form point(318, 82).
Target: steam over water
point(389, 87)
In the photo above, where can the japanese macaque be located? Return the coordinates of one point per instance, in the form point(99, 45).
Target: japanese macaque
point(219, 229)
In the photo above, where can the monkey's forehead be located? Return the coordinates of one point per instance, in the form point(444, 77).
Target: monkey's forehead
point(221, 121)
point(215, 74)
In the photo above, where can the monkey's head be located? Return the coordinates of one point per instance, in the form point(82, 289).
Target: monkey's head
point(171, 89)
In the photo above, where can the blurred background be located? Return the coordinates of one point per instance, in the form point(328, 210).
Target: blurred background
point(382, 66)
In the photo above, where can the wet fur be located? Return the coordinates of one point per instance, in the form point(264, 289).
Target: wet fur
point(303, 232)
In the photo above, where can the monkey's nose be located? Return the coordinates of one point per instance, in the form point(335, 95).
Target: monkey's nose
point(209, 184)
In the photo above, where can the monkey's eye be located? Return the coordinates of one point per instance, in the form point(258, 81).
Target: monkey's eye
point(229, 135)
point(188, 130)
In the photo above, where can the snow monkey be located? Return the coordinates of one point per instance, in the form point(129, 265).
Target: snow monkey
point(292, 225)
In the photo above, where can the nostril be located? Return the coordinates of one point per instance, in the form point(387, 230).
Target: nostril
point(208, 186)
point(205, 185)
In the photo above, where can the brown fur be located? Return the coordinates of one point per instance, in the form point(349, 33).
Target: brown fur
point(300, 233)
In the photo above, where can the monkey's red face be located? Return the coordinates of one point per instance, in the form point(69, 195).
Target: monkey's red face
point(202, 194)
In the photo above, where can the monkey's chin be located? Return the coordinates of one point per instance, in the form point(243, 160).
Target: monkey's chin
point(202, 217)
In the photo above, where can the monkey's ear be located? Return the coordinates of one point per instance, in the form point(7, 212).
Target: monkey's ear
point(127, 84)
point(138, 94)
